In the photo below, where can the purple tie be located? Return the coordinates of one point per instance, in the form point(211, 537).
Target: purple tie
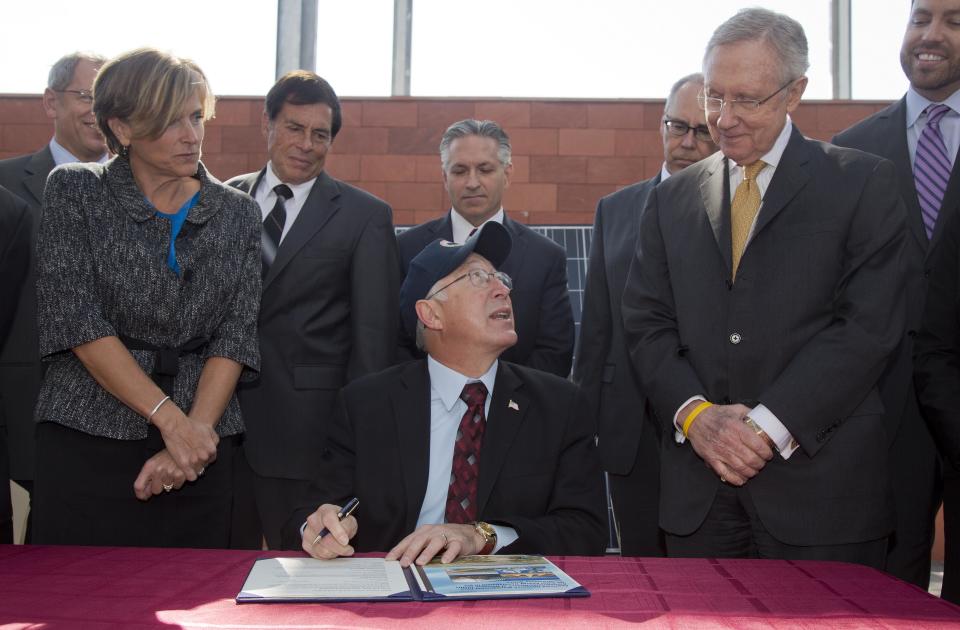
point(931, 167)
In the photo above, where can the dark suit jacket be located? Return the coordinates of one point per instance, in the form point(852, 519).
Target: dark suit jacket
point(603, 368)
point(328, 314)
point(885, 134)
point(938, 343)
point(20, 370)
point(806, 329)
point(541, 304)
point(15, 231)
point(539, 471)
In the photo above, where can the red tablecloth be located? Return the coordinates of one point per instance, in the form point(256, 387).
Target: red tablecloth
point(112, 588)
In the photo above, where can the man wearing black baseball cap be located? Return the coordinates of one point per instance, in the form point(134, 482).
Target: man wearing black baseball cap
point(459, 453)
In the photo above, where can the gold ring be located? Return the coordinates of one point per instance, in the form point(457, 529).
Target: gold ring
point(167, 487)
point(723, 480)
point(446, 541)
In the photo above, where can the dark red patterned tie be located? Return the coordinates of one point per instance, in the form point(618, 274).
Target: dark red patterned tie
point(462, 496)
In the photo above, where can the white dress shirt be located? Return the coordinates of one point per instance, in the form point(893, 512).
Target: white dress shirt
point(462, 227)
point(267, 198)
point(446, 411)
point(62, 156)
point(764, 418)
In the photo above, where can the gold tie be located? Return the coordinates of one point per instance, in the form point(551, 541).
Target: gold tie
point(743, 210)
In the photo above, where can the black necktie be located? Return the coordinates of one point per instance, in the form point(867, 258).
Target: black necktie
point(273, 226)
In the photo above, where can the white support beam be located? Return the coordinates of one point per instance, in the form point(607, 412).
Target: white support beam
point(842, 59)
point(402, 30)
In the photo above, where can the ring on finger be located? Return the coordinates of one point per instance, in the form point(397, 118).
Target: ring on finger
point(200, 472)
point(167, 487)
point(723, 479)
point(446, 541)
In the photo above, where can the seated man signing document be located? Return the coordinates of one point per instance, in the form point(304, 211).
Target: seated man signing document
point(459, 453)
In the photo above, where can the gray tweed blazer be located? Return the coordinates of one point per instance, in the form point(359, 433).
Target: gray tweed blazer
point(102, 271)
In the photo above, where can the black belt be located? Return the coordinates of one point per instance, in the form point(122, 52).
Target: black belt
point(166, 364)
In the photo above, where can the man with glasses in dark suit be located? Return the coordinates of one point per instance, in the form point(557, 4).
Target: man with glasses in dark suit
point(762, 306)
point(628, 437)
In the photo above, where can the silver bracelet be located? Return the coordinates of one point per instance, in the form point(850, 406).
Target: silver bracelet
point(157, 408)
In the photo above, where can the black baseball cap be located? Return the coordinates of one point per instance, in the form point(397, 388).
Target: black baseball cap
point(440, 258)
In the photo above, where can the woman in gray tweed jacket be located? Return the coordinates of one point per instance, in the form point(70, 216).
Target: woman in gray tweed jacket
point(148, 291)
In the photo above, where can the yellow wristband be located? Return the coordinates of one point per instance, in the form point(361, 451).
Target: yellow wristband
point(693, 415)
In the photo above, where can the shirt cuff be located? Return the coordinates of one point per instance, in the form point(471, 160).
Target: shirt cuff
point(505, 536)
point(775, 429)
point(677, 427)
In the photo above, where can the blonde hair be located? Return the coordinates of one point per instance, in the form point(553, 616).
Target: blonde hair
point(147, 89)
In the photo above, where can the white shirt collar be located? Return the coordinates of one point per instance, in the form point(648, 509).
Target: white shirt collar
point(664, 173)
point(448, 383)
point(773, 156)
point(62, 156)
point(300, 191)
point(462, 227)
point(917, 103)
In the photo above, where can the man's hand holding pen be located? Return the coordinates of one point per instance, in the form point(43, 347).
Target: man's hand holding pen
point(326, 536)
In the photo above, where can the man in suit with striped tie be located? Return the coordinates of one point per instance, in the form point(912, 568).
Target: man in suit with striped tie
point(920, 134)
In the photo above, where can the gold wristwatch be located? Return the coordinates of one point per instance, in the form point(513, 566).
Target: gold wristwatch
point(489, 536)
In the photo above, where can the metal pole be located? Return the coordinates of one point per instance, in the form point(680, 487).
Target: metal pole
point(308, 35)
point(402, 29)
point(288, 36)
point(841, 54)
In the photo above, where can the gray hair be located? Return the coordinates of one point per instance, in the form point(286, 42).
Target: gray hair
point(695, 78)
point(420, 328)
point(471, 127)
point(781, 32)
point(61, 73)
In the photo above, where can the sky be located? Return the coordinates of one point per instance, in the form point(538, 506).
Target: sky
point(497, 48)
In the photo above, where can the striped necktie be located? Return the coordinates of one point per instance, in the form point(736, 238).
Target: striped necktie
point(931, 167)
point(273, 226)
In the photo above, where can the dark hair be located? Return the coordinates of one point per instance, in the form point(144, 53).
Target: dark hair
point(301, 87)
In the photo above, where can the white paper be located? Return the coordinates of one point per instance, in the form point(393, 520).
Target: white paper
point(309, 578)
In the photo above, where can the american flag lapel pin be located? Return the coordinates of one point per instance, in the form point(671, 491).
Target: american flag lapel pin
point(513, 406)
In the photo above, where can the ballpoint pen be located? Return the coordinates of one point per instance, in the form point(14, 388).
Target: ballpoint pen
point(344, 512)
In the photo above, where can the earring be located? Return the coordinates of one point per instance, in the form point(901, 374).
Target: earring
point(124, 151)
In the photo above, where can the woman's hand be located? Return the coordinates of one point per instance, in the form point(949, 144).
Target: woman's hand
point(159, 474)
point(191, 443)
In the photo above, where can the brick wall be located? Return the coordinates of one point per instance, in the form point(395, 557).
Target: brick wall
point(566, 153)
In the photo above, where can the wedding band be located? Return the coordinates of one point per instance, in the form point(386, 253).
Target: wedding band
point(167, 487)
point(446, 541)
point(200, 472)
point(723, 480)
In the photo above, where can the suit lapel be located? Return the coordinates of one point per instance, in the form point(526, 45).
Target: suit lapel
point(715, 194)
point(893, 145)
point(792, 174)
point(514, 262)
point(321, 204)
point(411, 412)
point(37, 169)
point(508, 409)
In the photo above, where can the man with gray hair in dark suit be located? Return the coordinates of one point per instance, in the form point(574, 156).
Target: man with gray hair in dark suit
point(762, 305)
point(68, 102)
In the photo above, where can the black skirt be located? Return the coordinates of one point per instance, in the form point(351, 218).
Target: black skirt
point(84, 495)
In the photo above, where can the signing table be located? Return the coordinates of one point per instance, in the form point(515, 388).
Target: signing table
point(112, 588)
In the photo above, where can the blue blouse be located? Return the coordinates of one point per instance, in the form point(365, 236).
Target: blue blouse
point(176, 222)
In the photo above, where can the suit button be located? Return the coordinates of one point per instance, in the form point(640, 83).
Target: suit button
point(735, 338)
point(926, 273)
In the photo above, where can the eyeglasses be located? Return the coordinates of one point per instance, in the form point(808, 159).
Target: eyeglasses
point(84, 96)
point(478, 278)
point(744, 106)
point(679, 129)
